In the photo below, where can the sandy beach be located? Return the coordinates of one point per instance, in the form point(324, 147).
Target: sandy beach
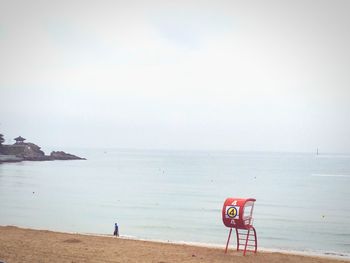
point(27, 245)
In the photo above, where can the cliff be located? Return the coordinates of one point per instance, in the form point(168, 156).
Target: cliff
point(26, 151)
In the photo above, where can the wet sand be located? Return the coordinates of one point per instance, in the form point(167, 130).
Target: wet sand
point(27, 245)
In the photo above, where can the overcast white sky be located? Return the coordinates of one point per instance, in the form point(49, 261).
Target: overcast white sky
point(233, 75)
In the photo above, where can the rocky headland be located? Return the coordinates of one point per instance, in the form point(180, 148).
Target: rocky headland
point(22, 151)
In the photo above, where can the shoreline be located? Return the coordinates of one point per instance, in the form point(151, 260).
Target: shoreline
point(311, 253)
point(32, 245)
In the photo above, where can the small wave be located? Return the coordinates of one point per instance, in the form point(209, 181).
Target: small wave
point(331, 175)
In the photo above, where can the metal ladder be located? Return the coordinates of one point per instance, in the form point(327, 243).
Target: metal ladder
point(247, 240)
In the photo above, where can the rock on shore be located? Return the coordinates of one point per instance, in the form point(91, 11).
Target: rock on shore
point(9, 158)
point(59, 155)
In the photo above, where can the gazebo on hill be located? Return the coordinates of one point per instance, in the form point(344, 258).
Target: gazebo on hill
point(19, 140)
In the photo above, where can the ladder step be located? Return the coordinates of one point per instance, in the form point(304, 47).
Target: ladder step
point(246, 239)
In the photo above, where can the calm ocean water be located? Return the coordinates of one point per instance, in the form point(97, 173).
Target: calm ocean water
point(302, 199)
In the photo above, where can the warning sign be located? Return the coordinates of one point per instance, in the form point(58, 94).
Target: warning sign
point(232, 212)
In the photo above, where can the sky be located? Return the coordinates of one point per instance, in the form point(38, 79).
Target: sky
point(190, 75)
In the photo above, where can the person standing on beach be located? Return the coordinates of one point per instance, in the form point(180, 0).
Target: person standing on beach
point(116, 230)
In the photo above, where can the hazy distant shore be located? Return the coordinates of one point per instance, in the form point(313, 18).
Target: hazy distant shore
point(28, 245)
point(22, 151)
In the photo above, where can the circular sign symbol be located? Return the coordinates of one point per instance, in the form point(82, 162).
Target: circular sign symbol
point(232, 212)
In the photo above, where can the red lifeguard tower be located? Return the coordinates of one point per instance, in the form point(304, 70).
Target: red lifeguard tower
point(237, 213)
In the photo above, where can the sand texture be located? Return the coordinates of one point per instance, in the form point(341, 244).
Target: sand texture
point(26, 245)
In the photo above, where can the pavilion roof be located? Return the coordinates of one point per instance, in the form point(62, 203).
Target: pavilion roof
point(19, 138)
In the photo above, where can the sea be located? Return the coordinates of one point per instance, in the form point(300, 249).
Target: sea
point(302, 199)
